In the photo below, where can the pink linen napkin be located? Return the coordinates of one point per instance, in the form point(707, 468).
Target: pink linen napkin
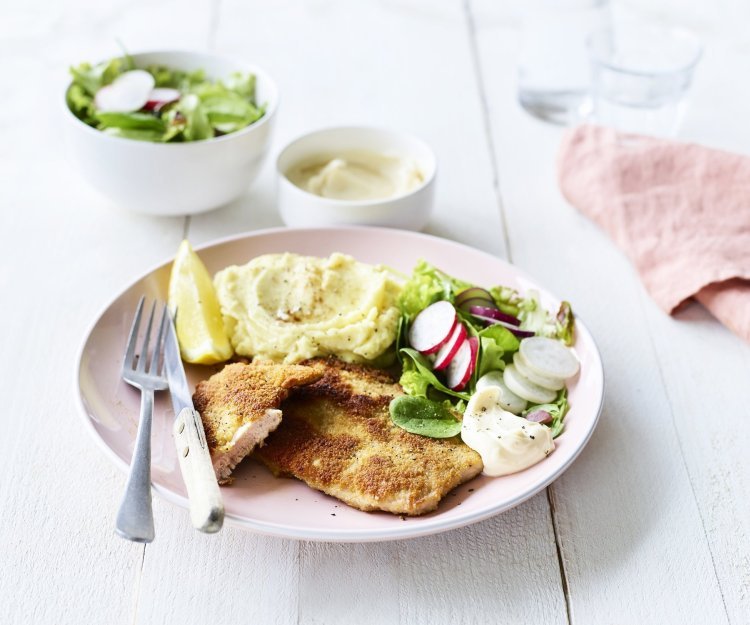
point(681, 212)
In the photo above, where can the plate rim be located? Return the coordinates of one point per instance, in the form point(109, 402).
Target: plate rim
point(339, 535)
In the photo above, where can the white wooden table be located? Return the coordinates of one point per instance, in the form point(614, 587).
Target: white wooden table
point(650, 525)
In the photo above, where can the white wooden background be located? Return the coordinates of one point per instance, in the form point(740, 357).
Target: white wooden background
point(650, 525)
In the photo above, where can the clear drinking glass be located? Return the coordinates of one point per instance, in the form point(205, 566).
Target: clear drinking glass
point(553, 68)
point(640, 77)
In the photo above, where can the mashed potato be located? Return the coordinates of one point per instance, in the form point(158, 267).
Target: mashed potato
point(287, 307)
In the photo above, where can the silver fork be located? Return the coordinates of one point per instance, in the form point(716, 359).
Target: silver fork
point(135, 519)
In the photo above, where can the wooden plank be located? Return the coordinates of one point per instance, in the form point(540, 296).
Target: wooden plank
point(338, 581)
point(702, 365)
point(66, 252)
point(503, 570)
point(230, 577)
point(630, 528)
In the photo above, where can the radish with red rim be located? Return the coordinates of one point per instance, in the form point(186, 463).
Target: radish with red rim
point(127, 93)
point(446, 353)
point(463, 364)
point(432, 327)
point(161, 96)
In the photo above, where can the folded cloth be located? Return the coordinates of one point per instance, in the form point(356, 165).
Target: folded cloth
point(681, 212)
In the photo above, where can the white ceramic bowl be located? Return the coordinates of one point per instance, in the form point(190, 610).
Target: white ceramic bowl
point(300, 208)
point(177, 178)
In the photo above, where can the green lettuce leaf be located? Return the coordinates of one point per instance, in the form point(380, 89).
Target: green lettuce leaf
point(418, 377)
point(508, 300)
point(557, 409)
point(495, 343)
point(229, 112)
point(427, 285)
point(175, 78)
point(565, 323)
point(81, 104)
point(241, 84)
point(197, 124)
point(92, 78)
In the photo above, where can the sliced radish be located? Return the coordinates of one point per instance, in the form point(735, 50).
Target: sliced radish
point(514, 329)
point(507, 398)
point(549, 358)
point(446, 353)
point(553, 384)
point(432, 327)
point(493, 313)
point(525, 388)
point(128, 92)
point(161, 96)
point(477, 293)
point(462, 365)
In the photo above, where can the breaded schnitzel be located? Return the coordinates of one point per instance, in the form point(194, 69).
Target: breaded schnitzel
point(239, 406)
point(337, 436)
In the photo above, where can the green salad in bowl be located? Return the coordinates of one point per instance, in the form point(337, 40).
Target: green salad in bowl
point(161, 104)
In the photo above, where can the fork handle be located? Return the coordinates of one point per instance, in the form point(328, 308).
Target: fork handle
point(206, 506)
point(135, 519)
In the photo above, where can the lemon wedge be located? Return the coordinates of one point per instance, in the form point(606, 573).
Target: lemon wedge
point(198, 321)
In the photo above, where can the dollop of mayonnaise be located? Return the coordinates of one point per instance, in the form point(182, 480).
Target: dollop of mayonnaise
point(357, 175)
point(506, 443)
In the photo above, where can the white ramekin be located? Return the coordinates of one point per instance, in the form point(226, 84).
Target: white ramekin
point(300, 208)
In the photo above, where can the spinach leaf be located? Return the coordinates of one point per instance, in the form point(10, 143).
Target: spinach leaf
point(422, 416)
point(130, 121)
point(139, 134)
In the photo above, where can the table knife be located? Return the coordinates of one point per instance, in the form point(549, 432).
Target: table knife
point(206, 506)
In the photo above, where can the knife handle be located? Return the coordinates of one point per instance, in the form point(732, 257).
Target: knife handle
point(206, 506)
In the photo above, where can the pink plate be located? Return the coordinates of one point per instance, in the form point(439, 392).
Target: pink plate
point(286, 507)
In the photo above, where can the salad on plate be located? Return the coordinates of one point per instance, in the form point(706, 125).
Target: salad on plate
point(490, 365)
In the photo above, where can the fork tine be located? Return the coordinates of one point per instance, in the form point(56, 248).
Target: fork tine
point(143, 356)
point(127, 362)
point(154, 368)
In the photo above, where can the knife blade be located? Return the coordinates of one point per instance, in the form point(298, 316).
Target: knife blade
point(206, 506)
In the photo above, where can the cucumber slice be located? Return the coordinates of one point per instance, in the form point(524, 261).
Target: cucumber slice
point(553, 384)
point(507, 398)
point(525, 388)
point(548, 357)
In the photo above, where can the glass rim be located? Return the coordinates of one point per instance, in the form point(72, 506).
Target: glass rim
point(681, 33)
